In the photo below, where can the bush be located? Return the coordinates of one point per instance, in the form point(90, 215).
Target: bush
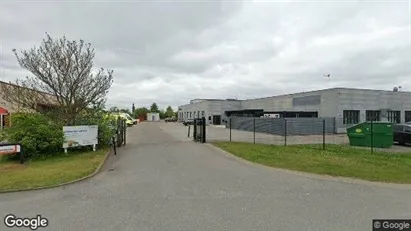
point(38, 135)
point(104, 123)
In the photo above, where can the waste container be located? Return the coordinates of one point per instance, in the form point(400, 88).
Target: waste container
point(381, 137)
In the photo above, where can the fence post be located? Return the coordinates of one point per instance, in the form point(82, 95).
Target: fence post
point(188, 135)
point(125, 133)
point(113, 141)
point(335, 125)
point(372, 136)
point(21, 154)
point(195, 130)
point(285, 132)
point(254, 130)
point(119, 128)
point(203, 125)
point(323, 134)
point(230, 129)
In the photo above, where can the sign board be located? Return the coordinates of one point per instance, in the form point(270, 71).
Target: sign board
point(276, 116)
point(80, 136)
point(9, 149)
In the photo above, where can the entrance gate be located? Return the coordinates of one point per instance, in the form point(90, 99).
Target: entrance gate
point(199, 131)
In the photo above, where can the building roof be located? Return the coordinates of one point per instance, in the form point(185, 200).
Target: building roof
point(15, 85)
point(297, 93)
point(3, 111)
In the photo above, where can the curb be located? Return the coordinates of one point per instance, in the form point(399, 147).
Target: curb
point(339, 179)
point(65, 183)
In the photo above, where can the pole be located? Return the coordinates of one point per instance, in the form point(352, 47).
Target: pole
point(203, 125)
point(125, 133)
point(230, 129)
point(21, 155)
point(188, 135)
point(254, 130)
point(114, 144)
point(195, 130)
point(372, 137)
point(285, 132)
point(323, 134)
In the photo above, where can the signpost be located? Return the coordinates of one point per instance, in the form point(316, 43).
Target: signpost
point(80, 136)
point(9, 149)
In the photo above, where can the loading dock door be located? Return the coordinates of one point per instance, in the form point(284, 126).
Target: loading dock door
point(216, 119)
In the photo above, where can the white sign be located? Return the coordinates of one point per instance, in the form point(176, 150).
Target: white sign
point(271, 116)
point(80, 136)
point(9, 149)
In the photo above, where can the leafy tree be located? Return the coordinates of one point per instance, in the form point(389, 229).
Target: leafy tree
point(169, 112)
point(125, 111)
point(140, 111)
point(63, 82)
point(114, 109)
point(154, 108)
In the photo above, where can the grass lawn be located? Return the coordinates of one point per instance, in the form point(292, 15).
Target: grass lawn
point(335, 160)
point(55, 170)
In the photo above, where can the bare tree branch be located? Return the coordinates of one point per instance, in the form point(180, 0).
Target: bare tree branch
point(62, 76)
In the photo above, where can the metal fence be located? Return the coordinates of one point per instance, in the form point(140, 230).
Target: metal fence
point(199, 132)
point(318, 132)
point(284, 126)
point(281, 131)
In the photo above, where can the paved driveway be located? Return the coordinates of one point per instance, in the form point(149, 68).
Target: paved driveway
point(163, 181)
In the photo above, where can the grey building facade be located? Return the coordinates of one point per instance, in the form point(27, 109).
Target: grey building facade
point(348, 106)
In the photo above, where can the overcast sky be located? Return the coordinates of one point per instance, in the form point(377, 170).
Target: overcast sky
point(172, 51)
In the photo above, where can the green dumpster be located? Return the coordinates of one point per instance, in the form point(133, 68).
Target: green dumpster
point(381, 137)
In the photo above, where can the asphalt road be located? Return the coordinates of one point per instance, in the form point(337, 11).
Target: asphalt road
point(163, 181)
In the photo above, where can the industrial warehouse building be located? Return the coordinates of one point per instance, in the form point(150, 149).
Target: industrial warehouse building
point(347, 105)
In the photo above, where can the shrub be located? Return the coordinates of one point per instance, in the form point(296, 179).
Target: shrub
point(39, 136)
point(104, 123)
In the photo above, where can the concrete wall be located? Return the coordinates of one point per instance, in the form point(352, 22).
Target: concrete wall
point(328, 103)
point(210, 108)
point(7, 105)
point(326, 106)
point(40, 98)
point(363, 100)
point(151, 115)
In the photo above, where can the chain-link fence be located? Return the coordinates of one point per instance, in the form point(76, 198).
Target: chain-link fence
point(318, 132)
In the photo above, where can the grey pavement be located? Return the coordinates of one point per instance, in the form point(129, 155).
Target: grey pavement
point(163, 181)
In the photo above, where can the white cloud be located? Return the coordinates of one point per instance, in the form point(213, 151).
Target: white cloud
point(171, 52)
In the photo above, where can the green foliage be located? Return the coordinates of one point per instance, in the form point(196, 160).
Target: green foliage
point(105, 125)
point(125, 111)
point(162, 114)
point(169, 112)
point(140, 111)
point(39, 136)
point(154, 108)
point(114, 109)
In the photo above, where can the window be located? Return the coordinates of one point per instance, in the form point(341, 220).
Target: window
point(198, 114)
point(407, 116)
point(190, 115)
point(372, 115)
point(394, 116)
point(351, 116)
point(407, 129)
point(202, 114)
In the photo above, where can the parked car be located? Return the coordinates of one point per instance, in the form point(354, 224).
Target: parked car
point(402, 133)
point(188, 122)
point(172, 119)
